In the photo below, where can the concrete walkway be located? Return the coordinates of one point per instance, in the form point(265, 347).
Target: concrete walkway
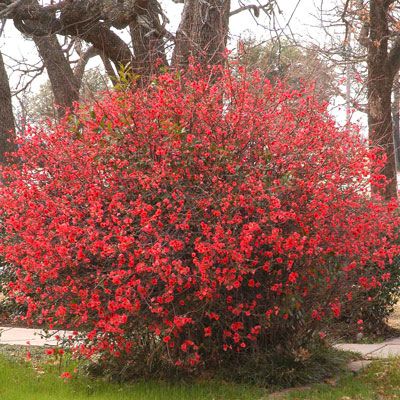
point(35, 337)
point(30, 337)
point(388, 348)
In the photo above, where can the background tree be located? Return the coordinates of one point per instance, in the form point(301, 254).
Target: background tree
point(6, 115)
point(90, 29)
point(383, 65)
point(64, 84)
point(286, 60)
point(203, 32)
point(375, 24)
point(34, 107)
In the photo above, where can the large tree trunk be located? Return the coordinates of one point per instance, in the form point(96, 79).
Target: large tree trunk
point(64, 84)
point(380, 82)
point(202, 33)
point(147, 38)
point(7, 126)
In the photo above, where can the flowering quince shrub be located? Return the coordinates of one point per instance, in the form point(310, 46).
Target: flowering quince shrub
point(194, 220)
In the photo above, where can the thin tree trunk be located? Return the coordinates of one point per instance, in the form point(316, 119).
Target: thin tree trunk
point(7, 125)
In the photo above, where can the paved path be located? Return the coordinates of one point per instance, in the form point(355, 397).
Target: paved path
point(32, 337)
point(388, 348)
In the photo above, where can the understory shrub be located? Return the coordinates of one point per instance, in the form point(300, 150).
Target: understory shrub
point(373, 307)
point(380, 301)
point(195, 222)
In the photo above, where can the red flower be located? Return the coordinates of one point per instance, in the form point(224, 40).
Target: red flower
point(237, 326)
point(293, 277)
point(66, 375)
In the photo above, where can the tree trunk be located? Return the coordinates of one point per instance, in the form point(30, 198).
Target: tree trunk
point(147, 38)
point(380, 82)
point(396, 119)
point(7, 126)
point(109, 45)
point(202, 33)
point(64, 84)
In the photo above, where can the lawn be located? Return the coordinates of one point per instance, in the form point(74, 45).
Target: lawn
point(381, 380)
point(19, 381)
point(40, 380)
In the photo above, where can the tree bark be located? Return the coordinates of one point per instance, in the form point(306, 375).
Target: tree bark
point(7, 125)
point(80, 66)
point(380, 82)
point(396, 119)
point(76, 18)
point(109, 45)
point(64, 84)
point(202, 33)
point(147, 38)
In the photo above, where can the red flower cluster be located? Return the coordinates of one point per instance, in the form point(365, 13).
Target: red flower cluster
point(198, 215)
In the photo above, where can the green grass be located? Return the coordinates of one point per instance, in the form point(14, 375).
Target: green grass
point(381, 380)
point(40, 380)
point(20, 381)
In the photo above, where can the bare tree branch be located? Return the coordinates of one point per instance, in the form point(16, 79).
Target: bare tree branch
point(6, 10)
point(250, 7)
point(110, 70)
point(84, 57)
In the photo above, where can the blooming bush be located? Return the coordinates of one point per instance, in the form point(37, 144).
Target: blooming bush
point(194, 220)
